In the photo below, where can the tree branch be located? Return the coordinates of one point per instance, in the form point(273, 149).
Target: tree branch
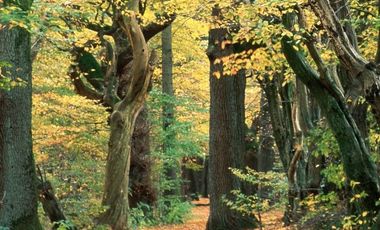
point(154, 28)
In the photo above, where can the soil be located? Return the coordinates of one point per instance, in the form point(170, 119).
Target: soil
point(200, 212)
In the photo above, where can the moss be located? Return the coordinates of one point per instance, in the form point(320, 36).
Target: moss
point(91, 68)
point(28, 222)
point(23, 4)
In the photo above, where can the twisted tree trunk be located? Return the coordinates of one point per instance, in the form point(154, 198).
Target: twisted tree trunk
point(122, 124)
point(357, 162)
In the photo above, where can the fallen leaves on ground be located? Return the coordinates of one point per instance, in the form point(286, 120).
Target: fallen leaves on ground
point(198, 219)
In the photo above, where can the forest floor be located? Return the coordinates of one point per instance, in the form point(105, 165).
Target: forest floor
point(200, 212)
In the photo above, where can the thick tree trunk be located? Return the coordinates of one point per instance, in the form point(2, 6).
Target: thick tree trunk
point(18, 181)
point(226, 146)
point(117, 171)
point(227, 132)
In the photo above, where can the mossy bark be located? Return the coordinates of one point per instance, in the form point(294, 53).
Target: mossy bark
point(357, 163)
point(18, 194)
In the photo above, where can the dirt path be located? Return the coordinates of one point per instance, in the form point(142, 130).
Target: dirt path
point(198, 219)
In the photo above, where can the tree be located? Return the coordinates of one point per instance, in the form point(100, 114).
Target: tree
point(109, 82)
point(363, 76)
point(123, 119)
point(18, 180)
point(227, 125)
point(357, 162)
point(168, 107)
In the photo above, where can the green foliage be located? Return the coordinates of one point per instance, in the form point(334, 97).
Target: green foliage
point(64, 225)
point(271, 192)
point(23, 4)
point(184, 140)
point(167, 211)
point(333, 173)
point(323, 141)
point(187, 142)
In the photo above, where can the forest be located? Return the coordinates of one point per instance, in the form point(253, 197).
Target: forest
point(189, 114)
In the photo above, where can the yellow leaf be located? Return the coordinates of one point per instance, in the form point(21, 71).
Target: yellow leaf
point(216, 74)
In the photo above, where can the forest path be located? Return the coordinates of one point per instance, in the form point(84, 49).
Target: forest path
point(199, 216)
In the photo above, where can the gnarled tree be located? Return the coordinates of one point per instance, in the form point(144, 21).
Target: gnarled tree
point(123, 119)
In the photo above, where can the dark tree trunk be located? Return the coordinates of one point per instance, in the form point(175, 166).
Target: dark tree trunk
point(260, 145)
point(141, 184)
point(227, 132)
point(18, 181)
point(205, 179)
point(265, 151)
point(278, 98)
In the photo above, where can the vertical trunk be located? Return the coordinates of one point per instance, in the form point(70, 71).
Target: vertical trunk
point(265, 153)
point(227, 131)
point(286, 113)
point(141, 184)
point(117, 171)
point(205, 179)
point(280, 114)
point(170, 167)
point(226, 146)
point(18, 194)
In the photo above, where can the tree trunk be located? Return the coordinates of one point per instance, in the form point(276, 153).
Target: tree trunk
point(357, 162)
point(141, 184)
point(18, 181)
point(122, 124)
point(227, 132)
point(170, 164)
point(265, 153)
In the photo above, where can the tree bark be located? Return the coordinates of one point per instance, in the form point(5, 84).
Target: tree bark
point(265, 152)
point(227, 132)
point(141, 184)
point(364, 79)
point(170, 164)
point(18, 181)
point(122, 124)
point(357, 162)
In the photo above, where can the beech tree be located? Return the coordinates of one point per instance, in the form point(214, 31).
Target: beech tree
point(109, 82)
point(18, 180)
point(227, 125)
point(123, 119)
point(357, 162)
point(168, 108)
